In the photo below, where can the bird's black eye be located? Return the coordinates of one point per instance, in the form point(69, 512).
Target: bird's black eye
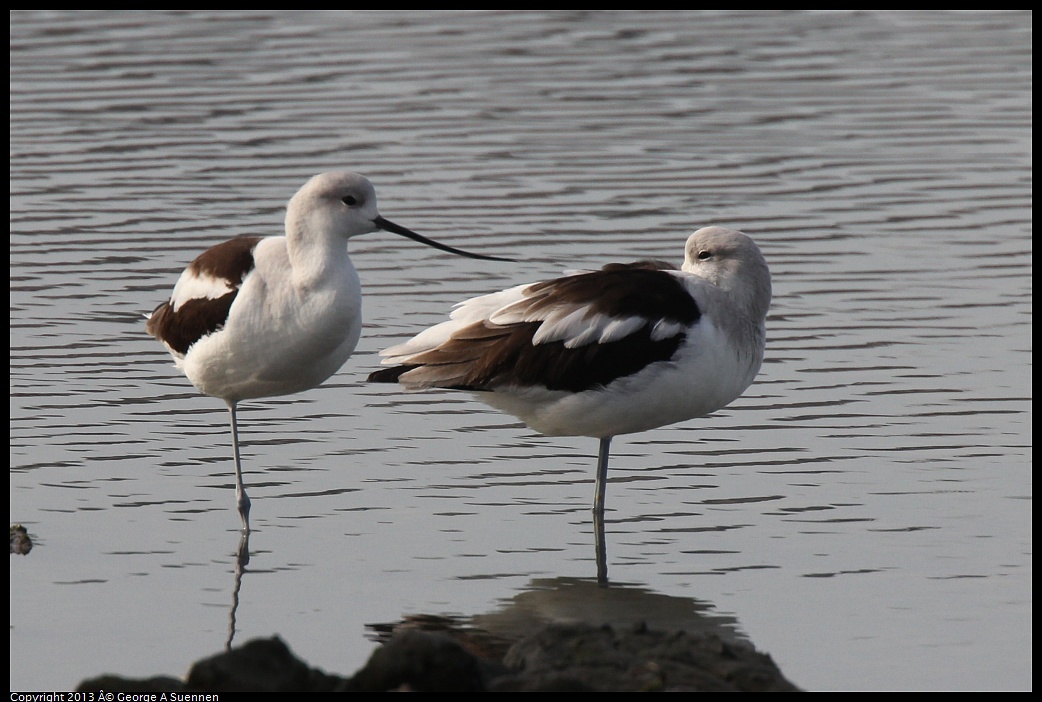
point(349, 200)
point(704, 255)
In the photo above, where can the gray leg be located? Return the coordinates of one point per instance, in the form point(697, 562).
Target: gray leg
point(242, 500)
point(602, 476)
point(598, 512)
point(602, 550)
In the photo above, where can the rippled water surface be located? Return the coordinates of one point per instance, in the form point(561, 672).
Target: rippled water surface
point(863, 513)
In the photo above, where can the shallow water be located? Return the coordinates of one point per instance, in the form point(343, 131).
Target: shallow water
point(863, 513)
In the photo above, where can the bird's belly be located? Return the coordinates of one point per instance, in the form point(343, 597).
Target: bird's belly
point(661, 394)
point(276, 351)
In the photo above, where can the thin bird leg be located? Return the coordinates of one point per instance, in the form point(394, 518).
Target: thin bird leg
point(598, 513)
point(601, 548)
point(242, 500)
point(602, 477)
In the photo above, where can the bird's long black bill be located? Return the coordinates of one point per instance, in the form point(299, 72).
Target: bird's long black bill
point(390, 226)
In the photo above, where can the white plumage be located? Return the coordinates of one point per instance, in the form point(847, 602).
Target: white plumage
point(600, 353)
point(258, 317)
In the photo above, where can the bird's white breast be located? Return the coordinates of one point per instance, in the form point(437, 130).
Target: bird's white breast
point(282, 335)
point(704, 375)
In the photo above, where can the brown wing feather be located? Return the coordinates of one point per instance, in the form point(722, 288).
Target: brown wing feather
point(485, 355)
point(231, 261)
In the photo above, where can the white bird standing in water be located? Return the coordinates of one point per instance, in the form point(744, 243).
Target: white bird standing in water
point(628, 348)
point(259, 317)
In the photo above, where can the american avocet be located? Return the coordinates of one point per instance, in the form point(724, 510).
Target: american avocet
point(624, 349)
point(258, 317)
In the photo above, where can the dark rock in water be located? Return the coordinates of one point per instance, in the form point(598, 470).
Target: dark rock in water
point(116, 684)
point(20, 541)
point(422, 661)
point(261, 665)
point(600, 658)
point(558, 657)
point(483, 644)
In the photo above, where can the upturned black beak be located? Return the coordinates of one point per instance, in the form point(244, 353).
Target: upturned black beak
point(390, 226)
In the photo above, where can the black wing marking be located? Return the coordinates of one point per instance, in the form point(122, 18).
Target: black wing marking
point(231, 262)
point(485, 355)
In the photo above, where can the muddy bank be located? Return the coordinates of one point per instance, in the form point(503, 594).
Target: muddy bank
point(423, 656)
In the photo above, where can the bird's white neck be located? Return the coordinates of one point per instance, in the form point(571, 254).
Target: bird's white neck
point(315, 249)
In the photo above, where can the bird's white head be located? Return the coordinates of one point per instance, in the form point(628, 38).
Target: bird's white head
point(343, 205)
point(335, 203)
point(732, 261)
